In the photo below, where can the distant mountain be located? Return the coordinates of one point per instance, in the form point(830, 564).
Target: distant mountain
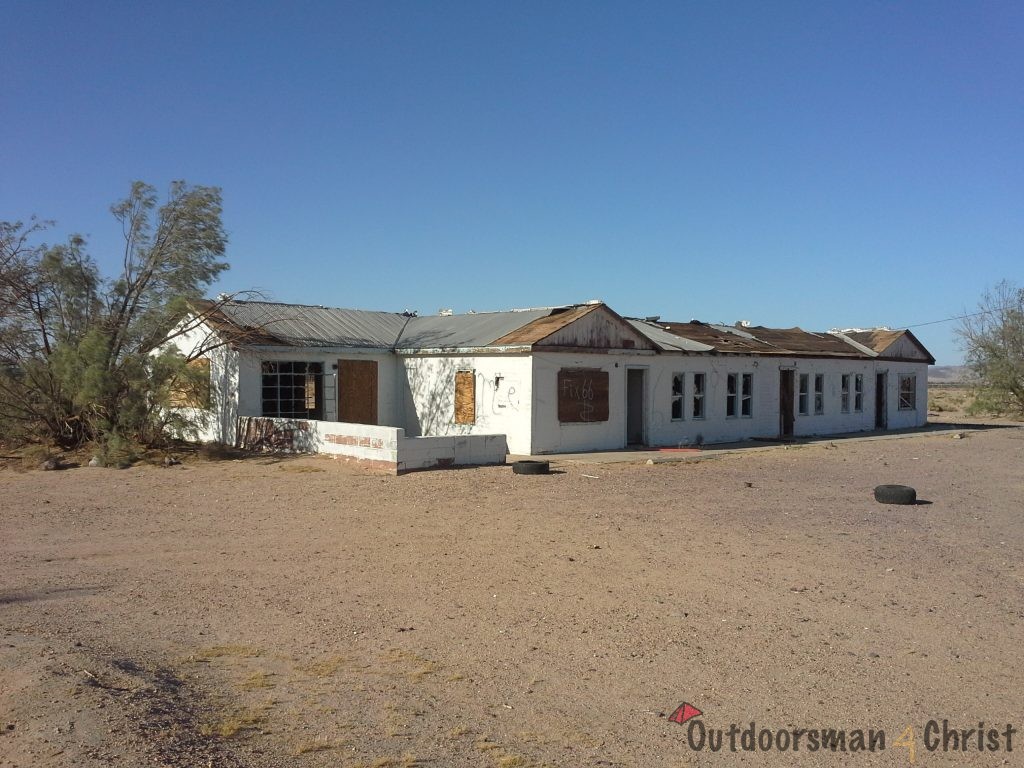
point(949, 374)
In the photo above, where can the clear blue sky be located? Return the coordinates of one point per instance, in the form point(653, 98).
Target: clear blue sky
point(813, 164)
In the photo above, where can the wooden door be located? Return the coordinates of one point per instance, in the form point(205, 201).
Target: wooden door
point(357, 391)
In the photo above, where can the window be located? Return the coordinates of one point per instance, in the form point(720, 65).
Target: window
point(677, 396)
point(858, 393)
point(819, 394)
point(908, 393)
point(465, 397)
point(698, 395)
point(739, 391)
point(747, 395)
point(192, 388)
point(293, 390)
point(844, 396)
point(802, 399)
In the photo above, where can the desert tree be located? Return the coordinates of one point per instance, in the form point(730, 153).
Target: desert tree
point(83, 357)
point(993, 342)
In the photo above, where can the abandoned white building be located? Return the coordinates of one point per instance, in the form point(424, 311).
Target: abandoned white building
point(403, 391)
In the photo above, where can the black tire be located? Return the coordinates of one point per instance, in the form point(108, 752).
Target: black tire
point(531, 467)
point(895, 494)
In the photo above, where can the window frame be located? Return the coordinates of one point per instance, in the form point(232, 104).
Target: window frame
point(746, 395)
point(803, 394)
point(901, 395)
point(858, 393)
point(819, 394)
point(308, 373)
point(739, 395)
point(677, 397)
point(699, 396)
point(844, 393)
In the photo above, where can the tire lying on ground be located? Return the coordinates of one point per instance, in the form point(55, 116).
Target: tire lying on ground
point(530, 467)
point(895, 494)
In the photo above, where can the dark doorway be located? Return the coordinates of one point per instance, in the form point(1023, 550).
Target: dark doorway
point(635, 406)
point(786, 403)
point(357, 391)
point(881, 410)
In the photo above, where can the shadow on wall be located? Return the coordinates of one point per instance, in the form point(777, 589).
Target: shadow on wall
point(224, 396)
point(429, 396)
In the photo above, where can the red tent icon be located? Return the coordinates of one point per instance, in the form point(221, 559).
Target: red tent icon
point(684, 712)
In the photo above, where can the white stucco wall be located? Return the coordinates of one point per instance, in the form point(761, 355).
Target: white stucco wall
point(550, 436)
point(503, 395)
point(660, 430)
point(390, 410)
point(764, 422)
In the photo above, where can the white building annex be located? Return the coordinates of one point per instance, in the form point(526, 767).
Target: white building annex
point(401, 391)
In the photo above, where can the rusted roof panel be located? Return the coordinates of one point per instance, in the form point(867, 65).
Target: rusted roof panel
point(542, 327)
point(665, 340)
point(758, 340)
point(877, 339)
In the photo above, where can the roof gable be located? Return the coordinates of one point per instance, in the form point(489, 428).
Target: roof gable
point(587, 326)
point(900, 344)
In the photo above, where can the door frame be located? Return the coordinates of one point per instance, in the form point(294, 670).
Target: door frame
point(882, 399)
point(787, 405)
point(642, 369)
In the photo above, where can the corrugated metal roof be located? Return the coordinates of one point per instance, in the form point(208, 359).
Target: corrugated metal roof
point(459, 331)
point(264, 322)
point(667, 341)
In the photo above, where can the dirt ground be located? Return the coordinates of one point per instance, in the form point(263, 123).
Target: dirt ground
point(270, 612)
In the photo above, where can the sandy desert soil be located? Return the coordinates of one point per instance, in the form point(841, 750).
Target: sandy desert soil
point(296, 613)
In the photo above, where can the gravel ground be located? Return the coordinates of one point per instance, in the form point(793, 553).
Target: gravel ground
point(293, 612)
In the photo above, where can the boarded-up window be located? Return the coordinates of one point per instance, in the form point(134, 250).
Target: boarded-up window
point(582, 395)
point(465, 397)
point(193, 389)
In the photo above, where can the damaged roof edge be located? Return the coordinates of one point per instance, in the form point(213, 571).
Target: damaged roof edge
point(273, 325)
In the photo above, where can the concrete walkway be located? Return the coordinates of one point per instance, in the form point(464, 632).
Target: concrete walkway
point(664, 456)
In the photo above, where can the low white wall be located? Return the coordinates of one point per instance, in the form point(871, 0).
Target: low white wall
point(384, 448)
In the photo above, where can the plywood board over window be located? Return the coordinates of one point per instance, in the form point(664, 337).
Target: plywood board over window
point(582, 395)
point(465, 397)
point(194, 390)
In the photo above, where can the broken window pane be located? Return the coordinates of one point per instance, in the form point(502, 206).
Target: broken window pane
point(908, 393)
point(677, 396)
point(698, 395)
